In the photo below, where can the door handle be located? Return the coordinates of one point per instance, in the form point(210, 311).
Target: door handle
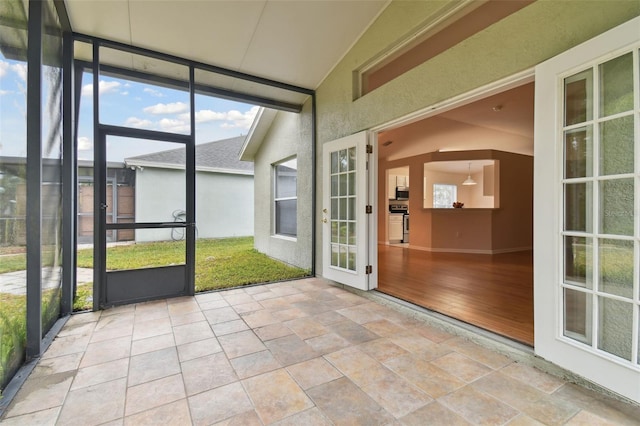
point(103, 206)
point(324, 220)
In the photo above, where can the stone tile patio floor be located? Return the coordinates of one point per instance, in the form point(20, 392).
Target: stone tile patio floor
point(297, 353)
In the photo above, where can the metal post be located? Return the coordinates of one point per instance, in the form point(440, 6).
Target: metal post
point(34, 181)
point(69, 183)
point(314, 182)
point(190, 175)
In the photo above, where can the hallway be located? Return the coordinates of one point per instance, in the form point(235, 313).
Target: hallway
point(292, 353)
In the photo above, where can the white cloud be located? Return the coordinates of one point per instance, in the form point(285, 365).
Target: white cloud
point(124, 93)
point(84, 143)
point(4, 92)
point(138, 122)
point(153, 92)
point(174, 125)
point(172, 108)
point(21, 70)
point(231, 119)
point(103, 87)
point(4, 68)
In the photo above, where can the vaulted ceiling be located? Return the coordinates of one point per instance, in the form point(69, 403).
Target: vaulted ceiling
point(296, 41)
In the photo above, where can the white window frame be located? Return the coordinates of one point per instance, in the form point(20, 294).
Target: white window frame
point(277, 199)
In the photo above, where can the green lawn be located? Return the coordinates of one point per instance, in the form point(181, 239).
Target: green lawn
point(220, 263)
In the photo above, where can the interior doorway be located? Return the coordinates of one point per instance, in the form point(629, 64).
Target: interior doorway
point(469, 250)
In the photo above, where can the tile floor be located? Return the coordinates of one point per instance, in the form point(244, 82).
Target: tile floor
point(297, 353)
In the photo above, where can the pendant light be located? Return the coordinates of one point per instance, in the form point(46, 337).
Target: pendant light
point(468, 180)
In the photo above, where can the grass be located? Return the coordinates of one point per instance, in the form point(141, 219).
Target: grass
point(13, 330)
point(12, 263)
point(220, 263)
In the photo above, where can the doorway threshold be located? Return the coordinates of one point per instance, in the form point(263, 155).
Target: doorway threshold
point(454, 325)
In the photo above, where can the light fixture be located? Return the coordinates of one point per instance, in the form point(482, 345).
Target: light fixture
point(468, 180)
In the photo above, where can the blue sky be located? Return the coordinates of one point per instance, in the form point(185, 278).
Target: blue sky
point(123, 103)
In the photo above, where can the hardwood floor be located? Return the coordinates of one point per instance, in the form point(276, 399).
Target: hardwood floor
point(494, 292)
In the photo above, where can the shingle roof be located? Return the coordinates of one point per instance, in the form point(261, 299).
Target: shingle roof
point(223, 154)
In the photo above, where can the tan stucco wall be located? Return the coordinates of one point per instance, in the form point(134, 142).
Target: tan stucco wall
point(517, 43)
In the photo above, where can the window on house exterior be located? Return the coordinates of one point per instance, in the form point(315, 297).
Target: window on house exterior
point(444, 195)
point(286, 199)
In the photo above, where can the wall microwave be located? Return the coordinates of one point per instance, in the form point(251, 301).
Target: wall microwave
point(402, 192)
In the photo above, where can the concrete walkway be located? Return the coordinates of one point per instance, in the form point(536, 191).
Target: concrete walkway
point(15, 282)
point(297, 353)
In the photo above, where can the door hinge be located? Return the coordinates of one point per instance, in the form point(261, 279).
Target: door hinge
point(369, 149)
point(368, 209)
point(368, 269)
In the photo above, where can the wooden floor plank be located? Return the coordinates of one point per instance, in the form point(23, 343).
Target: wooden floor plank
point(494, 292)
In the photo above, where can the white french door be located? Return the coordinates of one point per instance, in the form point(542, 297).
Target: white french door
point(347, 227)
point(587, 210)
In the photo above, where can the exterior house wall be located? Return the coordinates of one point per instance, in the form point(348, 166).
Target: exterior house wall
point(514, 44)
point(224, 203)
point(289, 136)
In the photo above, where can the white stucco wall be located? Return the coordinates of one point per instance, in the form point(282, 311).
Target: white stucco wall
point(289, 136)
point(224, 203)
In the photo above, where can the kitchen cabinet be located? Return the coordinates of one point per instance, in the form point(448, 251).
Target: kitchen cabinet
point(396, 180)
point(396, 227)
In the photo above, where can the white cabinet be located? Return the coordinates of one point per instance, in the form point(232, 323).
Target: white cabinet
point(395, 227)
point(396, 180)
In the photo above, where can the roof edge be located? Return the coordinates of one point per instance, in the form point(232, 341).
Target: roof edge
point(173, 166)
point(257, 132)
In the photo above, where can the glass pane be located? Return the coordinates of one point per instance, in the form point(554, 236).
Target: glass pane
point(577, 315)
point(344, 160)
point(13, 189)
point(140, 167)
point(286, 217)
point(352, 209)
point(616, 85)
point(615, 321)
point(343, 257)
point(578, 261)
point(616, 267)
point(343, 232)
point(334, 254)
point(334, 185)
point(352, 258)
point(334, 209)
point(153, 248)
point(616, 146)
point(334, 232)
point(577, 207)
point(352, 158)
point(128, 102)
point(51, 189)
point(286, 176)
point(343, 184)
point(578, 153)
point(352, 183)
point(334, 162)
point(617, 207)
point(351, 234)
point(577, 98)
point(343, 209)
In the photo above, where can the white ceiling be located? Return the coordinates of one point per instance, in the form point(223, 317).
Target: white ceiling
point(502, 122)
point(295, 41)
